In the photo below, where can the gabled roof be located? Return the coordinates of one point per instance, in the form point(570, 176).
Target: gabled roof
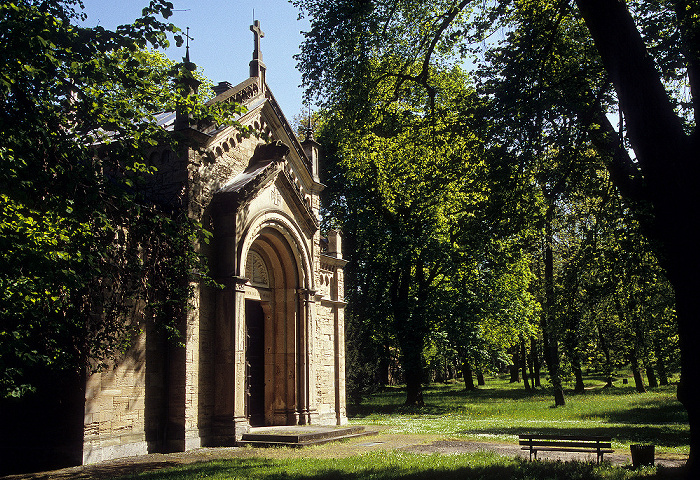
point(266, 164)
point(251, 94)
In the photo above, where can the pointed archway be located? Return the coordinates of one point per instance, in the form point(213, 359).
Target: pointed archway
point(276, 387)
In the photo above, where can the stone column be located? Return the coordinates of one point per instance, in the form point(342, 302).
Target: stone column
point(229, 421)
point(339, 317)
point(314, 417)
point(302, 360)
point(306, 300)
point(240, 419)
point(193, 436)
point(292, 345)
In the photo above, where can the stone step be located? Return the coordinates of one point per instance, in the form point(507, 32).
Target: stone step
point(300, 436)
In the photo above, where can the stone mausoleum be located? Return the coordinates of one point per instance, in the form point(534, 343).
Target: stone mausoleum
point(268, 348)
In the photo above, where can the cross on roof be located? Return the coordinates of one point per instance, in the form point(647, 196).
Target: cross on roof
point(187, 44)
point(187, 36)
point(257, 35)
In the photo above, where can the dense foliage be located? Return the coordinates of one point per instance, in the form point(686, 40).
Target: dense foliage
point(555, 243)
point(84, 237)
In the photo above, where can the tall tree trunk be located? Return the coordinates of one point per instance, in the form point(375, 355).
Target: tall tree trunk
point(637, 373)
point(607, 366)
point(535, 362)
point(660, 364)
point(409, 335)
point(384, 364)
point(523, 362)
point(687, 310)
point(669, 161)
point(578, 375)
point(651, 377)
point(515, 367)
point(468, 377)
point(413, 369)
point(550, 320)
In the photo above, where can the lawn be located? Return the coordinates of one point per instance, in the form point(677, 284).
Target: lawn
point(497, 412)
point(500, 411)
point(397, 465)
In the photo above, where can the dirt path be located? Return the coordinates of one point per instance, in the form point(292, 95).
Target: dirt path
point(383, 441)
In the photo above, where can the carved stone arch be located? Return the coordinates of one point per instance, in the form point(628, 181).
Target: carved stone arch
point(273, 243)
point(291, 232)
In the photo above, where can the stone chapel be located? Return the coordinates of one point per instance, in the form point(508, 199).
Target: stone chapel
point(268, 348)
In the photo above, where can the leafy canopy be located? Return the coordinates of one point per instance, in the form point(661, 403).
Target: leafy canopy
point(85, 241)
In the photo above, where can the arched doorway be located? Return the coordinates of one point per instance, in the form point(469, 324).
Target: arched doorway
point(276, 320)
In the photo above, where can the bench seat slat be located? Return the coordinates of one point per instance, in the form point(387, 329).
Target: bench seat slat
point(598, 444)
point(589, 450)
point(542, 436)
point(567, 443)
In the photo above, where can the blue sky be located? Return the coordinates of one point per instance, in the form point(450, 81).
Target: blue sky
point(223, 43)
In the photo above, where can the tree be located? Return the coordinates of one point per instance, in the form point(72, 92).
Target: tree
point(665, 171)
point(412, 174)
point(92, 248)
point(83, 235)
point(640, 59)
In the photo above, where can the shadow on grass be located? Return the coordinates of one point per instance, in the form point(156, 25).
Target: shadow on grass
point(660, 410)
point(362, 469)
point(645, 419)
point(439, 400)
point(443, 399)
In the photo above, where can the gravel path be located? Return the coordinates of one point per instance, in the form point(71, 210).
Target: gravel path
point(383, 441)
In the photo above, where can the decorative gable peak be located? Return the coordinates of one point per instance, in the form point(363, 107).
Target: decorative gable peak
point(257, 67)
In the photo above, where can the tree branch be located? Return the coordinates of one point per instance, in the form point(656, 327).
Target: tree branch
point(623, 171)
point(690, 35)
point(654, 130)
point(422, 77)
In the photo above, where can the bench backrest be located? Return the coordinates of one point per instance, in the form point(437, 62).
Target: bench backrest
point(566, 441)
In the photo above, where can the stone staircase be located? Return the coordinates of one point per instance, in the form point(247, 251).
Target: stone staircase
point(300, 435)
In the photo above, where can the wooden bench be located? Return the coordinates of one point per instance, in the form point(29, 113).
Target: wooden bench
point(566, 443)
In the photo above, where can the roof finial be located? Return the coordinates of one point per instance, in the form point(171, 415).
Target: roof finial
point(257, 67)
point(309, 127)
point(257, 35)
point(187, 78)
point(187, 45)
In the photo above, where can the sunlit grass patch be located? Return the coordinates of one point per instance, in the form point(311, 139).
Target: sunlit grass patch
point(501, 411)
point(395, 465)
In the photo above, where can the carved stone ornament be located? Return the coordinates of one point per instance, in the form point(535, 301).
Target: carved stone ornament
point(256, 270)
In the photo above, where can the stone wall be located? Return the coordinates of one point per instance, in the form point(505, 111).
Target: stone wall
point(116, 418)
point(325, 363)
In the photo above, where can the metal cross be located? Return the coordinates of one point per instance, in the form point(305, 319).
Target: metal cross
point(257, 35)
point(187, 45)
point(187, 36)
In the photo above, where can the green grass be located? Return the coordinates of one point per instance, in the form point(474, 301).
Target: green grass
point(500, 411)
point(394, 465)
